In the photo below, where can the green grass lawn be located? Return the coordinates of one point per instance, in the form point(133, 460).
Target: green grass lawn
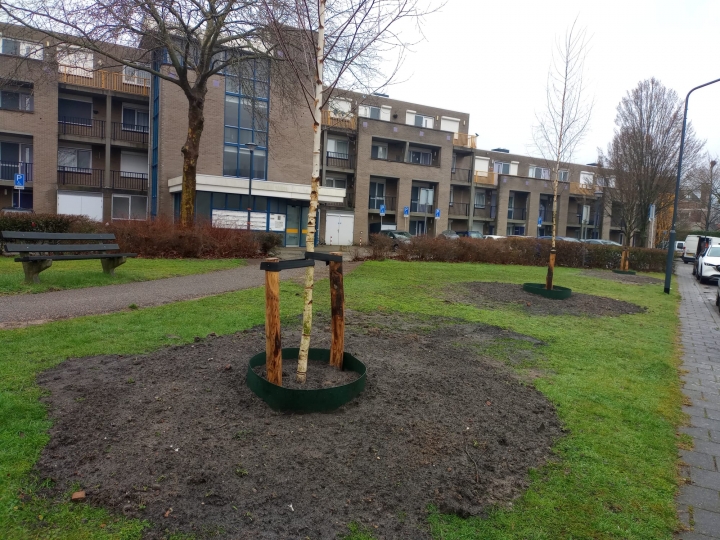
point(79, 274)
point(613, 380)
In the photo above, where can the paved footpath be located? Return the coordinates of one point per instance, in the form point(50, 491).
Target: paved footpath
point(699, 501)
point(22, 309)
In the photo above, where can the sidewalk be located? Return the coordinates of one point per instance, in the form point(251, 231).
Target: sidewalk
point(699, 501)
point(23, 309)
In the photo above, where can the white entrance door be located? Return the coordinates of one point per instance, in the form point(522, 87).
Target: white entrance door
point(339, 228)
point(80, 204)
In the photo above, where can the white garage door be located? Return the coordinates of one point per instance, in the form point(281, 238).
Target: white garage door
point(339, 229)
point(80, 204)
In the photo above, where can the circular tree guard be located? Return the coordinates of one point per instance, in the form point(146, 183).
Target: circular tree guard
point(556, 293)
point(314, 400)
point(626, 272)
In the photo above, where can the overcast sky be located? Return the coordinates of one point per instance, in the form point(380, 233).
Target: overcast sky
point(491, 59)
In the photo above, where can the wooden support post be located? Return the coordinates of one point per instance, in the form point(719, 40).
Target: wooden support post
point(624, 262)
point(273, 343)
point(550, 271)
point(337, 305)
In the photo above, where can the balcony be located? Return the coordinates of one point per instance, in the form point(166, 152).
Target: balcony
point(590, 223)
point(342, 161)
point(459, 209)
point(129, 133)
point(461, 176)
point(486, 178)
point(340, 122)
point(129, 180)
point(77, 176)
point(516, 214)
point(389, 202)
point(485, 212)
point(8, 170)
point(616, 222)
point(418, 208)
point(81, 127)
point(107, 80)
point(464, 139)
point(587, 190)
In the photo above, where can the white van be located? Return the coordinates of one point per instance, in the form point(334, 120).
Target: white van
point(690, 248)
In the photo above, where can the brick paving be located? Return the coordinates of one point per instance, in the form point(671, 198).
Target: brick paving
point(699, 501)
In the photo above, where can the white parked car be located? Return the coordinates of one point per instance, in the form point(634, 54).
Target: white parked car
point(708, 264)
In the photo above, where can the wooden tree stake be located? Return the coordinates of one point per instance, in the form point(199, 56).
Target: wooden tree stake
point(550, 271)
point(273, 343)
point(337, 304)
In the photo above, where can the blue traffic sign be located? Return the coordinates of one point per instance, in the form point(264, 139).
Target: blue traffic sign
point(19, 181)
point(406, 211)
point(540, 221)
point(437, 213)
point(382, 209)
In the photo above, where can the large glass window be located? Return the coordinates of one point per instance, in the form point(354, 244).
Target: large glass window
point(246, 120)
point(377, 195)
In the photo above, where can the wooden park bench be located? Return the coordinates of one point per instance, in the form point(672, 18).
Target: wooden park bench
point(38, 250)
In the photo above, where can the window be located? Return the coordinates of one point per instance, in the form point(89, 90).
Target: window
point(135, 120)
point(338, 148)
point(452, 195)
point(246, 120)
point(129, 207)
point(479, 199)
point(563, 175)
point(424, 121)
point(501, 167)
point(586, 179)
point(420, 156)
point(335, 182)
point(16, 101)
point(515, 230)
point(367, 111)
point(379, 151)
point(17, 47)
point(377, 195)
point(539, 172)
point(73, 61)
point(340, 108)
point(136, 76)
point(75, 158)
point(72, 111)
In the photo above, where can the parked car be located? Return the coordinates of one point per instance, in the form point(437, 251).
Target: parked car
point(600, 241)
point(16, 210)
point(449, 235)
point(708, 264)
point(703, 243)
point(560, 238)
point(694, 244)
point(494, 236)
point(398, 237)
point(471, 234)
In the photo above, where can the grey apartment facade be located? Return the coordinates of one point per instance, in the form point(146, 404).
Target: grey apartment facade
point(104, 141)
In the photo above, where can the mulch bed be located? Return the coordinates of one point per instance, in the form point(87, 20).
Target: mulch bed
point(489, 294)
point(623, 278)
point(177, 438)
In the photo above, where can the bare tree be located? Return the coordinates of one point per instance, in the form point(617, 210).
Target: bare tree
point(563, 123)
point(329, 44)
point(196, 38)
point(702, 183)
point(643, 155)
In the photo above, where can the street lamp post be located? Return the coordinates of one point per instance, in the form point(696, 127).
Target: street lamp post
point(250, 146)
point(710, 194)
point(671, 244)
point(598, 219)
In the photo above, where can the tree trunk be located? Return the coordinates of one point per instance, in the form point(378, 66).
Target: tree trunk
point(190, 152)
point(553, 251)
point(312, 212)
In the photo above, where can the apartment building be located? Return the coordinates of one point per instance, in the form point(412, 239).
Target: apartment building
point(102, 140)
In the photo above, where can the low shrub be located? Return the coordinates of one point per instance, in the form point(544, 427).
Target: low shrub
point(528, 252)
point(381, 246)
point(49, 223)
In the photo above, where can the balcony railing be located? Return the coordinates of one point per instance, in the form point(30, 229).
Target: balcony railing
point(591, 220)
point(516, 213)
point(81, 127)
point(485, 212)
point(8, 170)
point(389, 202)
point(129, 180)
point(461, 175)
point(130, 132)
point(344, 161)
point(78, 176)
point(459, 209)
point(486, 177)
point(341, 122)
point(415, 206)
point(108, 80)
point(465, 139)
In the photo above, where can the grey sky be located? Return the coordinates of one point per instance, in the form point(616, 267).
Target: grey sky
point(491, 59)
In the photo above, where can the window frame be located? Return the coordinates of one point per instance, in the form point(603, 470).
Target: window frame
point(135, 124)
point(374, 197)
point(369, 110)
point(544, 172)
point(422, 152)
point(565, 173)
point(484, 196)
point(426, 122)
point(134, 79)
point(129, 197)
point(27, 49)
point(502, 165)
point(76, 150)
point(26, 102)
point(379, 145)
point(330, 181)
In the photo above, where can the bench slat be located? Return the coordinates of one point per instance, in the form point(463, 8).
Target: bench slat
point(58, 248)
point(14, 235)
point(74, 257)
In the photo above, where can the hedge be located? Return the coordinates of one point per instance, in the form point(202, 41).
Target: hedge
point(528, 252)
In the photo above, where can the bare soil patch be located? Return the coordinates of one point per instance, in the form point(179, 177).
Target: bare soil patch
point(177, 438)
point(488, 294)
point(319, 375)
point(623, 278)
